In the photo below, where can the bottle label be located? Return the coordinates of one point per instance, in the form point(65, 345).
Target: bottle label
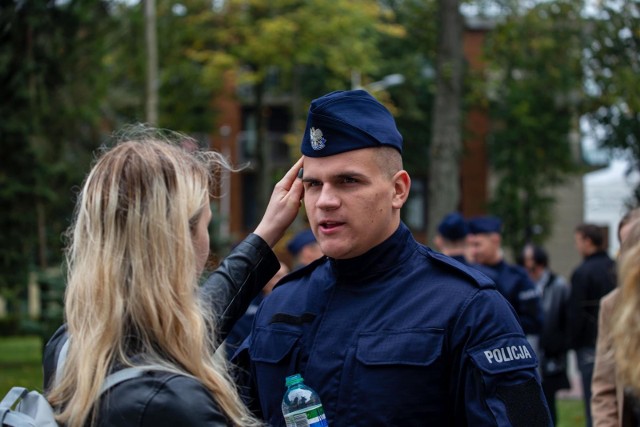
point(308, 417)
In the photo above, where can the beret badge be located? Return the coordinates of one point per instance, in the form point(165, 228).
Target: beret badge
point(317, 140)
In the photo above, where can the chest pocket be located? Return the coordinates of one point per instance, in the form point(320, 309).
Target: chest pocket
point(400, 373)
point(273, 346)
point(417, 348)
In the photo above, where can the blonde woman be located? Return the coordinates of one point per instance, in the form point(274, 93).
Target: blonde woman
point(625, 329)
point(138, 244)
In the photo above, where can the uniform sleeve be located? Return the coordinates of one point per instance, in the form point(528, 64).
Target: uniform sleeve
point(604, 401)
point(498, 383)
point(182, 401)
point(233, 285)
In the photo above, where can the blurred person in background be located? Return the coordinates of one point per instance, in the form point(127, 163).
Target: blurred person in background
point(590, 281)
point(485, 240)
point(608, 407)
point(451, 237)
point(304, 248)
point(553, 345)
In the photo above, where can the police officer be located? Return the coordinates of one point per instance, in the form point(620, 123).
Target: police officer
point(451, 238)
point(387, 331)
point(511, 280)
point(303, 248)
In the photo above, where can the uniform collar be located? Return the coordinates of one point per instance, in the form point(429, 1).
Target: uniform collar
point(385, 256)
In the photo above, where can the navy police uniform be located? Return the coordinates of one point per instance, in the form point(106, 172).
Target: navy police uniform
point(512, 281)
point(398, 336)
point(454, 228)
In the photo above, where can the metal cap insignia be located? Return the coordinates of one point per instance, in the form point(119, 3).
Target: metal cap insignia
point(317, 140)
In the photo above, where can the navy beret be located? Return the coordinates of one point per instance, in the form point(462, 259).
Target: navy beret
point(348, 120)
point(453, 227)
point(485, 224)
point(299, 241)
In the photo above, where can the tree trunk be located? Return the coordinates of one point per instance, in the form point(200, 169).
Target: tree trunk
point(446, 141)
point(265, 167)
point(152, 62)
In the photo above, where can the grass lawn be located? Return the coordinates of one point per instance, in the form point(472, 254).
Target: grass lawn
point(20, 364)
point(570, 413)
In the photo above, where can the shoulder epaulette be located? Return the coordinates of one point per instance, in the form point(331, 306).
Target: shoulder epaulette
point(301, 272)
point(463, 270)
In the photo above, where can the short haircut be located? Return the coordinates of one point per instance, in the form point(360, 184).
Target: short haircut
point(389, 160)
point(591, 232)
point(540, 256)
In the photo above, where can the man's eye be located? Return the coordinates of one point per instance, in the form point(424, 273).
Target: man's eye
point(312, 183)
point(348, 180)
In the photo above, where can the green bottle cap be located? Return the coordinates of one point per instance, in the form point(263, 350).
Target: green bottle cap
point(293, 379)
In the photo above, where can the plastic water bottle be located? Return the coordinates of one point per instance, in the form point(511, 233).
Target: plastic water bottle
point(301, 405)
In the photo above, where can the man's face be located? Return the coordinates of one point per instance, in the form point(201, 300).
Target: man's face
point(201, 238)
point(581, 243)
point(309, 253)
point(485, 248)
point(529, 263)
point(351, 203)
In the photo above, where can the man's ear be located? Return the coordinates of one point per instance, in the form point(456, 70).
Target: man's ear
point(401, 187)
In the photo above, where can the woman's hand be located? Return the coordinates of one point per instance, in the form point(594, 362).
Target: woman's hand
point(283, 206)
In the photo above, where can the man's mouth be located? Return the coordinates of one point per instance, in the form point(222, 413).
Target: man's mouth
point(329, 225)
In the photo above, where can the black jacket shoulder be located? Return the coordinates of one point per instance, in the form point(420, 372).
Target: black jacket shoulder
point(160, 399)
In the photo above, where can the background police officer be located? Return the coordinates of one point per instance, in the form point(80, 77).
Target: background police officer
point(451, 238)
point(511, 280)
point(387, 331)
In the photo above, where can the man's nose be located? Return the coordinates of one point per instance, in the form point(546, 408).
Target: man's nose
point(328, 198)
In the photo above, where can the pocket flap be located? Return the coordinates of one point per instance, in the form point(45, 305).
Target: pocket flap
point(272, 345)
point(415, 347)
point(504, 354)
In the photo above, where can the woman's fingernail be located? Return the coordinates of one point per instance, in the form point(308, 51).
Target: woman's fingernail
point(300, 172)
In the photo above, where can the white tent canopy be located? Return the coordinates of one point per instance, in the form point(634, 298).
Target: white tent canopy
point(606, 193)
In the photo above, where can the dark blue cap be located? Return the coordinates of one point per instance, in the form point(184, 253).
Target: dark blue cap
point(485, 224)
point(299, 241)
point(453, 227)
point(348, 120)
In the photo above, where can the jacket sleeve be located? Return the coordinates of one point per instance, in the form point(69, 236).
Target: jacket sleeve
point(529, 305)
point(604, 401)
point(232, 286)
point(50, 355)
point(577, 296)
point(498, 382)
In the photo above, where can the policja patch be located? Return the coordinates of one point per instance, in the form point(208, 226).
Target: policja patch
point(504, 354)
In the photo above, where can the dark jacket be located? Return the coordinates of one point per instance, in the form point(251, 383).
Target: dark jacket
point(555, 334)
point(399, 336)
point(167, 399)
point(592, 280)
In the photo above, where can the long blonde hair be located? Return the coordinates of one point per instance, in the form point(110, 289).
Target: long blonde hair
point(132, 275)
point(626, 319)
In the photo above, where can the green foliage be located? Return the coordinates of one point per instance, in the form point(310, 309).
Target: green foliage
point(413, 57)
point(50, 69)
point(535, 70)
point(613, 71)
